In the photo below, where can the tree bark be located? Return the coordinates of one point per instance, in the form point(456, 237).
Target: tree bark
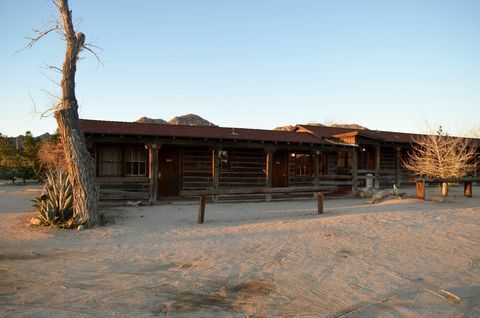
point(80, 164)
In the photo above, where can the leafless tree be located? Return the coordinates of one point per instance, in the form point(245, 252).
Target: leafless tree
point(438, 155)
point(51, 156)
point(79, 162)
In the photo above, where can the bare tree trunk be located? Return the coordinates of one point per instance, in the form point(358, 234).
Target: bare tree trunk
point(79, 161)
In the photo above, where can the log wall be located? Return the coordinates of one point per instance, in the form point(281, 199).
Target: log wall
point(196, 169)
point(387, 166)
point(123, 188)
point(246, 168)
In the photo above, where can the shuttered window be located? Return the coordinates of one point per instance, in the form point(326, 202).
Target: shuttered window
point(109, 162)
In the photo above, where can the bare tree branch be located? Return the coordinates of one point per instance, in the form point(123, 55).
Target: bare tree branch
point(90, 48)
point(441, 156)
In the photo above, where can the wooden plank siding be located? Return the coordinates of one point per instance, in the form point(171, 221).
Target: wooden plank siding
point(387, 166)
point(406, 177)
point(245, 168)
point(124, 188)
point(197, 168)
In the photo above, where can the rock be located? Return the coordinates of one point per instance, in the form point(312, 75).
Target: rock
point(81, 227)
point(35, 221)
point(365, 193)
point(375, 198)
point(134, 203)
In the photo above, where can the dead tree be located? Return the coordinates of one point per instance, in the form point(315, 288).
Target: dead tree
point(79, 162)
point(441, 156)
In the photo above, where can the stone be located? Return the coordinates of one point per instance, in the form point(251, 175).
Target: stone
point(81, 227)
point(35, 221)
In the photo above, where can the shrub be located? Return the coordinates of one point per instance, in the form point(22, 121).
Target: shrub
point(55, 205)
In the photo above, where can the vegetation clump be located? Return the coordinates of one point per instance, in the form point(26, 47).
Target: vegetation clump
point(54, 206)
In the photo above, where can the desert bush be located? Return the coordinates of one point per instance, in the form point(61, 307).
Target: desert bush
point(55, 205)
point(51, 155)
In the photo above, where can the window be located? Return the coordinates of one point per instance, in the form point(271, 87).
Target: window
point(109, 162)
point(304, 165)
point(135, 161)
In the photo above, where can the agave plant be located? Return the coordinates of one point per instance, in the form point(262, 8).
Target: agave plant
point(55, 205)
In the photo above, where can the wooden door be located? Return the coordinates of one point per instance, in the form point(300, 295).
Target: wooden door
point(169, 172)
point(280, 169)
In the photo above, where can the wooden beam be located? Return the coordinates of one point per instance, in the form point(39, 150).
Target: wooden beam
point(201, 210)
point(153, 174)
point(377, 168)
point(319, 203)
point(355, 170)
point(467, 189)
point(269, 181)
point(398, 159)
point(260, 190)
point(420, 189)
point(215, 170)
point(316, 161)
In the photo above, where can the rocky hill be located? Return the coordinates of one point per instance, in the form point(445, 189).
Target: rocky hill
point(151, 120)
point(189, 119)
point(285, 128)
point(351, 126)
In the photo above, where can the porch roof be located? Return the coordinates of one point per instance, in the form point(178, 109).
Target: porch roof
point(210, 132)
point(386, 136)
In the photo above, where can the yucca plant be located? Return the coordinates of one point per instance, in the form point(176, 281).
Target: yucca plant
point(55, 205)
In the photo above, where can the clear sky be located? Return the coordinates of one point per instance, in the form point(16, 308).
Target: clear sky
point(387, 65)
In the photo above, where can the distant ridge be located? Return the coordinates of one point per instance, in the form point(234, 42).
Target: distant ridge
point(351, 126)
point(188, 119)
point(151, 120)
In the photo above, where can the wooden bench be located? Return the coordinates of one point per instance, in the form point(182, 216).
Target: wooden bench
point(467, 185)
point(247, 191)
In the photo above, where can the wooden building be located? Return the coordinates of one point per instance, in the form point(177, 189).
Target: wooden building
point(144, 161)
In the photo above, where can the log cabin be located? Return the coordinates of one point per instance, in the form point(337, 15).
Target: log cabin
point(150, 162)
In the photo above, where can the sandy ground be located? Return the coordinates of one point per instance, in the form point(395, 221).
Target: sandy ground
point(399, 258)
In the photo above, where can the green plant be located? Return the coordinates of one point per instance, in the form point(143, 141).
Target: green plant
point(55, 205)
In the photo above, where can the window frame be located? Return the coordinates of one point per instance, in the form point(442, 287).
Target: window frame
point(136, 150)
point(304, 165)
point(102, 162)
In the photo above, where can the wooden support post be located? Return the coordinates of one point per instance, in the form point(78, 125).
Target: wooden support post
point(376, 184)
point(316, 166)
point(153, 173)
point(201, 210)
point(467, 189)
point(444, 189)
point(319, 202)
point(215, 171)
point(355, 171)
point(269, 182)
point(398, 160)
point(420, 189)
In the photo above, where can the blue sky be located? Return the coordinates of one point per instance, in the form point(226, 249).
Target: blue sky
point(387, 65)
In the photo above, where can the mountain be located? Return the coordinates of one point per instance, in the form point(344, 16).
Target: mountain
point(351, 126)
point(191, 120)
point(285, 128)
point(151, 120)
